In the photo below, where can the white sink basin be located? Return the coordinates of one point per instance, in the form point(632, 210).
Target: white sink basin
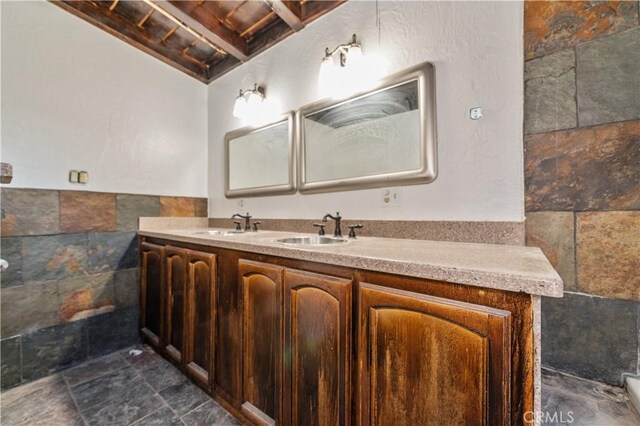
point(311, 241)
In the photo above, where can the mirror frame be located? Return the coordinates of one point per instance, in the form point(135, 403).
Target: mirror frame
point(424, 74)
point(287, 188)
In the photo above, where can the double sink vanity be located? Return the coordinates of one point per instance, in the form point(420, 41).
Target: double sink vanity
point(289, 328)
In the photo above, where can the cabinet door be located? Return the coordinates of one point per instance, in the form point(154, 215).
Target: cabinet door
point(152, 293)
point(201, 290)
point(429, 361)
point(317, 327)
point(261, 335)
point(176, 284)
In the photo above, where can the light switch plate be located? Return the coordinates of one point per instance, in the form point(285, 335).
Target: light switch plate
point(73, 176)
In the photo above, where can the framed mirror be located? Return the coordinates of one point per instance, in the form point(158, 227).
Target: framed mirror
point(384, 137)
point(261, 160)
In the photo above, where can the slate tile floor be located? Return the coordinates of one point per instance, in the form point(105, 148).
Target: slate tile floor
point(120, 389)
point(588, 403)
point(116, 389)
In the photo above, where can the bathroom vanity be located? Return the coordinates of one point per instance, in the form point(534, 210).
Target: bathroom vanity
point(371, 331)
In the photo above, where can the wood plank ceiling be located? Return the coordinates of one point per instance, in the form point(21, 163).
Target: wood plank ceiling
point(204, 39)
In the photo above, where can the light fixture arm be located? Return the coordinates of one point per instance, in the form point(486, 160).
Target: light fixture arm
point(342, 49)
point(248, 99)
point(256, 89)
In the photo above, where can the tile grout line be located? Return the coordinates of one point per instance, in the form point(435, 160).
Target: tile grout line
point(583, 379)
point(93, 378)
point(195, 408)
point(73, 398)
point(164, 405)
point(20, 359)
point(582, 43)
point(165, 402)
point(105, 375)
point(576, 284)
point(577, 128)
point(575, 84)
point(174, 411)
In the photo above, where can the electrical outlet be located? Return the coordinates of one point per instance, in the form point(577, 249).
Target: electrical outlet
point(241, 203)
point(475, 113)
point(391, 197)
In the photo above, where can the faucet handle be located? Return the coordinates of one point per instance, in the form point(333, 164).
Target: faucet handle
point(255, 225)
point(352, 229)
point(238, 227)
point(321, 226)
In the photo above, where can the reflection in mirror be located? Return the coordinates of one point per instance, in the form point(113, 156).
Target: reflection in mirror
point(365, 137)
point(260, 160)
point(383, 137)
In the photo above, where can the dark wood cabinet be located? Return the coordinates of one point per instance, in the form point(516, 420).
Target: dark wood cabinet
point(175, 261)
point(427, 360)
point(291, 342)
point(152, 293)
point(262, 338)
point(201, 315)
point(317, 329)
point(178, 306)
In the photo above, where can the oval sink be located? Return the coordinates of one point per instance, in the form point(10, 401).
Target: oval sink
point(218, 232)
point(310, 241)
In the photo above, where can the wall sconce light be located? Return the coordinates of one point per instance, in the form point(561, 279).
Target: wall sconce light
point(248, 103)
point(341, 69)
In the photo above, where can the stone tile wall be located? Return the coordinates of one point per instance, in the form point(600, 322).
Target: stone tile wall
point(582, 179)
point(71, 290)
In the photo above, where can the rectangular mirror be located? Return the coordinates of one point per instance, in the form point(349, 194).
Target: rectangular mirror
point(383, 137)
point(261, 160)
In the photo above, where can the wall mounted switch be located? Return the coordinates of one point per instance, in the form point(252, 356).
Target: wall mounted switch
point(83, 177)
point(73, 176)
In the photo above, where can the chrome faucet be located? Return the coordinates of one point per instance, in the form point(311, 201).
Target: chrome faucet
point(247, 220)
point(338, 219)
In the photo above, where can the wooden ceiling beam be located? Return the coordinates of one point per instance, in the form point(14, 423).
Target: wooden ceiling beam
point(223, 66)
point(205, 26)
point(311, 10)
point(213, 30)
point(289, 12)
point(269, 37)
point(129, 32)
point(248, 32)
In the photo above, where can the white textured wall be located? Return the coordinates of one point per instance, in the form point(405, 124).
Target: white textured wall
point(75, 97)
point(477, 51)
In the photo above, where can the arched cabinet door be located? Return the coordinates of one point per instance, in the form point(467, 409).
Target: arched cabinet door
point(176, 276)
point(152, 294)
point(425, 360)
point(261, 336)
point(201, 315)
point(317, 324)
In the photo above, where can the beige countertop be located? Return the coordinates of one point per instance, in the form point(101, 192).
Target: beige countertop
point(511, 268)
